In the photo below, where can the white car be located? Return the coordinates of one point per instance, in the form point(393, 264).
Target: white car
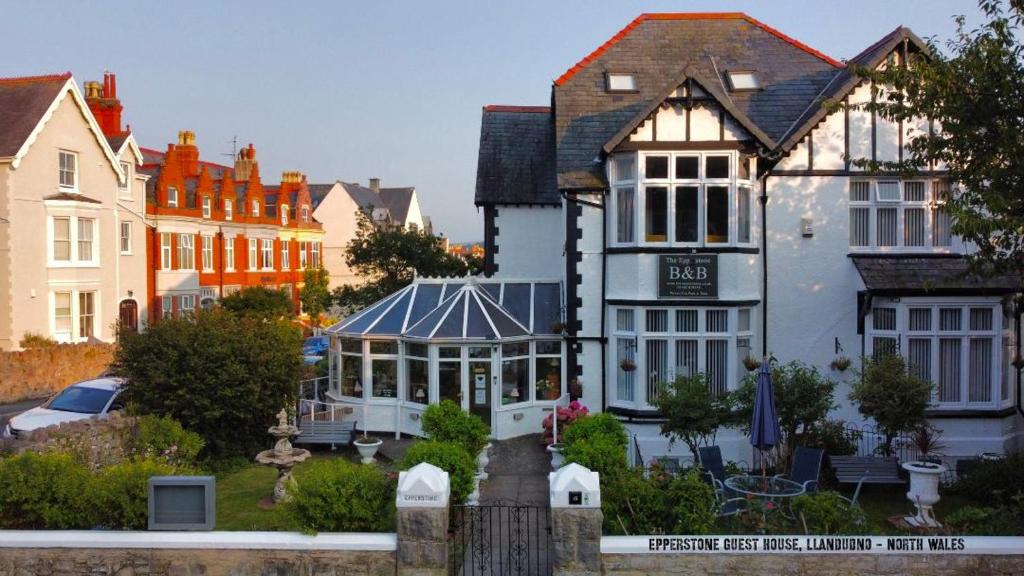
point(79, 401)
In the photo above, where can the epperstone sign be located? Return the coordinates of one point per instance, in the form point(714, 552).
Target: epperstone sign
point(688, 276)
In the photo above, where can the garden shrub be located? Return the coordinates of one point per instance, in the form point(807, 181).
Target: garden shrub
point(334, 495)
point(221, 375)
point(594, 425)
point(121, 493)
point(692, 504)
point(45, 491)
point(1007, 520)
point(602, 454)
point(447, 422)
point(826, 512)
point(259, 302)
point(892, 395)
point(993, 481)
point(833, 437)
point(631, 504)
point(566, 416)
point(693, 413)
point(163, 437)
point(450, 457)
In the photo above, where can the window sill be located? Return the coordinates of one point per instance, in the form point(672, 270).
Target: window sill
point(661, 249)
point(60, 265)
point(941, 412)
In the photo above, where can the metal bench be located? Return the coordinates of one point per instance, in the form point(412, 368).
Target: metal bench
point(862, 470)
point(326, 432)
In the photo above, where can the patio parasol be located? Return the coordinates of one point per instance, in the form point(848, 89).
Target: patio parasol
point(764, 423)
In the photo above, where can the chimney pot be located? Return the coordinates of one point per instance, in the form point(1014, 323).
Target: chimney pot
point(375, 184)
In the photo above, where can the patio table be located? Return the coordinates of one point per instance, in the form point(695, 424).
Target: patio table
point(771, 488)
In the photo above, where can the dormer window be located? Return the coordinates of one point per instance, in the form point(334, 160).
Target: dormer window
point(305, 214)
point(172, 197)
point(256, 208)
point(621, 82)
point(742, 80)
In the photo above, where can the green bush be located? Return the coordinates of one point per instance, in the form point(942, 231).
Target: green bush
point(601, 453)
point(121, 493)
point(1007, 520)
point(259, 302)
point(692, 504)
point(447, 422)
point(450, 457)
point(334, 495)
point(45, 491)
point(632, 504)
point(593, 425)
point(993, 481)
point(693, 413)
point(163, 437)
point(221, 375)
point(827, 512)
point(833, 437)
point(892, 395)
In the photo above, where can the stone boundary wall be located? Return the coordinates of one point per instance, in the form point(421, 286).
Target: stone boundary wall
point(52, 553)
point(40, 372)
point(94, 441)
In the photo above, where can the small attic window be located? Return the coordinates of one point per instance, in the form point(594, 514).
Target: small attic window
point(621, 82)
point(743, 80)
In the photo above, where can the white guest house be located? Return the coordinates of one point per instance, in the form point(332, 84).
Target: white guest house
point(688, 201)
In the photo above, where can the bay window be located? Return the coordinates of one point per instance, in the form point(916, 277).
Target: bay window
point(654, 346)
point(686, 199)
point(165, 250)
point(186, 252)
point(954, 345)
point(62, 239)
point(73, 241)
point(898, 214)
point(207, 247)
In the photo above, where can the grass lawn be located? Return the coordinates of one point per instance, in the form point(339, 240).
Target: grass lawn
point(239, 493)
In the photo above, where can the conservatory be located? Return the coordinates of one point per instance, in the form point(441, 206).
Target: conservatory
point(493, 347)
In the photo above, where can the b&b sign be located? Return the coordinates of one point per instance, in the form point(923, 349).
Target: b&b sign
point(688, 276)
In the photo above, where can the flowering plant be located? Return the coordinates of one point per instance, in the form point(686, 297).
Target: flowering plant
point(566, 416)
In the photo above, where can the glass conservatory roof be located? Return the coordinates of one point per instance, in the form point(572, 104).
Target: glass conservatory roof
point(456, 309)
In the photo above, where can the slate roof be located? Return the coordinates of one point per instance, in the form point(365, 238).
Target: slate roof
point(398, 201)
point(516, 162)
point(117, 141)
point(23, 101)
point(917, 275)
point(656, 49)
point(395, 202)
point(317, 193)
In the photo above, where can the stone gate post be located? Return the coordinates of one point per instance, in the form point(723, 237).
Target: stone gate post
point(422, 502)
point(576, 518)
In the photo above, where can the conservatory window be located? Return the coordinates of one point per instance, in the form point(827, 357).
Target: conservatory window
point(417, 370)
point(351, 367)
point(515, 372)
point(384, 368)
point(548, 369)
point(449, 373)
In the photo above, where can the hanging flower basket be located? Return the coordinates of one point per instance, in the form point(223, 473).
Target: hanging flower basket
point(840, 364)
point(751, 363)
point(627, 365)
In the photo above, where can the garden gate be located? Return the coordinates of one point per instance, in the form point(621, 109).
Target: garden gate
point(500, 539)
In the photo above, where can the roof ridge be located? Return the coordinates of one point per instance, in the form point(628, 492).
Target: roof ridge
point(39, 78)
point(689, 16)
point(516, 108)
point(881, 41)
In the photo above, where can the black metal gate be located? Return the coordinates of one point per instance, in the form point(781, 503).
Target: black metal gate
point(500, 539)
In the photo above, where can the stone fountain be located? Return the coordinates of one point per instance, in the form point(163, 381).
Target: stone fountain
point(283, 455)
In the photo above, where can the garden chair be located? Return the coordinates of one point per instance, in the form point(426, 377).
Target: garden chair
point(805, 468)
point(712, 467)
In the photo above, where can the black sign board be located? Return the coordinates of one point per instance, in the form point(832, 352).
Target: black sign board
point(688, 276)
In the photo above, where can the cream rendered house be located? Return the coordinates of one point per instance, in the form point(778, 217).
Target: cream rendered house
point(72, 242)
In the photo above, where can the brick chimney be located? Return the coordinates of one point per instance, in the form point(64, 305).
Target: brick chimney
point(188, 153)
point(245, 162)
point(375, 184)
point(102, 101)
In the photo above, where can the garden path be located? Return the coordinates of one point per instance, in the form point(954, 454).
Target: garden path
point(517, 472)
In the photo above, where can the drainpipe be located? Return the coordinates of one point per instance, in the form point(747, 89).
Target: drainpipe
point(1018, 312)
point(764, 265)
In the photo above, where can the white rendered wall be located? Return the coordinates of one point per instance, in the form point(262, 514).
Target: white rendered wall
point(530, 240)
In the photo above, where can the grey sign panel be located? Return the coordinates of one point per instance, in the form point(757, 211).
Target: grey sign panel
point(688, 276)
point(182, 503)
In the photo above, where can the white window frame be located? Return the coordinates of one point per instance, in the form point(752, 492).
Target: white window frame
point(172, 197)
point(186, 251)
point(206, 247)
point(73, 334)
point(254, 254)
point(165, 251)
point(305, 214)
point(255, 208)
point(166, 306)
point(314, 254)
point(207, 206)
point(303, 258)
point(92, 318)
point(229, 254)
point(74, 240)
point(929, 205)
point(641, 183)
point(125, 240)
point(285, 254)
point(284, 214)
point(63, 335)
point(124, 186)
point(902, 334)
point(229, 210)
point(186, 304)
point(267, 253)
point(71, 225)
point(640, 335)
point(62, 170)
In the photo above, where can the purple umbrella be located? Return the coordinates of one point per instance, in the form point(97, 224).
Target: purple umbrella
point(764, 424)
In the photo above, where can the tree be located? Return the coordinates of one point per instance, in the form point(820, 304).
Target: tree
point(692, 412)
point(259, 302)
point(314, 295)
point(389, 258)
point(803, 398)
point(975, 96)
point(222, 375)
point(891, 394)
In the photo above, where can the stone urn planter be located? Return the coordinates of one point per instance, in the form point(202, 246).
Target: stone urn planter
point(924, 492)
point(557, 459)
point(367, 447)
point(474, 497)
point(481, 462)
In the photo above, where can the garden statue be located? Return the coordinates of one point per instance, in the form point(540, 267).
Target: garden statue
point(283, 455)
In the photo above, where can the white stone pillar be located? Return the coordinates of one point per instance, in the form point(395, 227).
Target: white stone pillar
point(575, 495)
point(422, 502)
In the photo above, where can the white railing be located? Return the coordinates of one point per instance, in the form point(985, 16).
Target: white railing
point(313, 411)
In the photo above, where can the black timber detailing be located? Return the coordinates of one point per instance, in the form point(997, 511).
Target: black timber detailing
point(490, 239)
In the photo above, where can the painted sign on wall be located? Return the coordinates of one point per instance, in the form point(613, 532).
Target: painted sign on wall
point(688, 276)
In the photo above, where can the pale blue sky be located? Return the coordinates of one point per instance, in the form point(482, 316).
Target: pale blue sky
point(350, 90)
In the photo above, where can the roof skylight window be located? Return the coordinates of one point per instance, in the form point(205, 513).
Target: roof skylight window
point(621, 82)
point(743, 80)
